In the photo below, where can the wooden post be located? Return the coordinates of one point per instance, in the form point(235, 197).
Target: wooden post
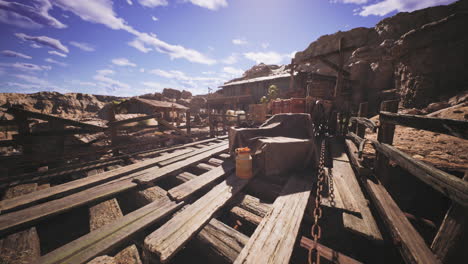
point(361, 130)
point(450, 242)
point(385, 135)
point(177, 119)
point(210, 123)
point(291, 82)
point(238, 120)
point(187, 122)
point(113, 132)
point(224, 122)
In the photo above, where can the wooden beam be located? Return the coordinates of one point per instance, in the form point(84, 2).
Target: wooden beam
point(364, 122)
point(167, 240)
point(385, 135)
point(28, 216)
point(183, 191)
point(447, 184)
point(450, 241)
point(131, 120)
point(352, 197)
point(32, 114)
point(273, 240)
point(328, 253)
point(411, 245)
point(109, 237)
point(452, 127)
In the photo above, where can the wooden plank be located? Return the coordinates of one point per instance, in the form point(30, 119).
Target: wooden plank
point(168, 125)
point(273, 240)
point(105, 213)
point(23, 246)
point(351, 192)
point(352, 151)
point(28, 216)
point(328, 253)
point(411, 245)
point(168, 161)
point(215, 162)
point(450, 241)
point(123, 172)
point(131, 120)
point(174, 234)
point(111, 236)
point(71, 187)
point(149, 175)
point(183, 191)
point(452, 127)
point(220, 242)
point(361, 129)
point(447, 184)
point(205, 167)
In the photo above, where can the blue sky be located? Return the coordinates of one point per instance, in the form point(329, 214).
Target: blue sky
point(132, 47)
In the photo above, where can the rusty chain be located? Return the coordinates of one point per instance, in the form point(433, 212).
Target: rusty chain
point(316, 230)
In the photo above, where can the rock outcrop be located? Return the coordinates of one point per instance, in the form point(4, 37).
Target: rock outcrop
point(420, 54)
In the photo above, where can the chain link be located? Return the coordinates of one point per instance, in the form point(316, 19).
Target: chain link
point(316, 230)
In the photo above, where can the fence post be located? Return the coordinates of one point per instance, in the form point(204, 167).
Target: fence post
point(385, 135)
point(187, 122)
point(361, 129)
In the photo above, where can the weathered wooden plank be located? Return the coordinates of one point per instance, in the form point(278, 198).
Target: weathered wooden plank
point(224, 156)
point(168, 161)
point(215, 162)
point(274, 238)
point(205, 167)
point(450, 241)
point(353, 154)
point(411, 245)
point(123, 172)
point(447, 184)
point(184, 176)
point(181, 192)
point(220, 242)
point(23, 246)
point(364, 122)
point(452, 127)
point(110, 236)
point(150, 175)
point(28, 216)
point(328, 253)
point(361, 129)
point(174, 234)
point(131, 120)
point(351, 193)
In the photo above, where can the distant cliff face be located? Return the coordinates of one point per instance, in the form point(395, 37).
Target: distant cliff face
point(421, 54)
point(66, 105)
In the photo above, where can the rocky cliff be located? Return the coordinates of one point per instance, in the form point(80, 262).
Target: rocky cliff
point(70, 105)
point(421, 54)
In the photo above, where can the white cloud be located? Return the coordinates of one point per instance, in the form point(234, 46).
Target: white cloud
point(37, 12)
point(210, 4)
point(387, 6)
point(188, 82)
point(82, 46)
point(233, 71)
point(25, 66)
point(129, 2)
point(232, 59)
point(174, 51)
point(53, 52)
point(123, 62)
point(270, 57)
point(153, 3)
point(49, 60)
point(153, 85)
point(14, 54)
point(265, 45)
point(357, 2)
point(83, 83)
point(35, 46)
point(103, 78)
point(101, 12)
point(154, 18)
point(43, 40)
point(31, 79)
point(239, 41)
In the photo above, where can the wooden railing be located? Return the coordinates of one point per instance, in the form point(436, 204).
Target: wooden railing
point(447, 244)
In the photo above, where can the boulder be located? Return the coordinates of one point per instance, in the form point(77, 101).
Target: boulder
point(186, 94)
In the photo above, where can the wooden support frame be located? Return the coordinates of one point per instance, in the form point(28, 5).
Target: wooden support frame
point(385, 135)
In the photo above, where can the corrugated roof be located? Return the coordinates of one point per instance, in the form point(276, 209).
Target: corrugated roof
point(161, 104)
point(259, 79)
